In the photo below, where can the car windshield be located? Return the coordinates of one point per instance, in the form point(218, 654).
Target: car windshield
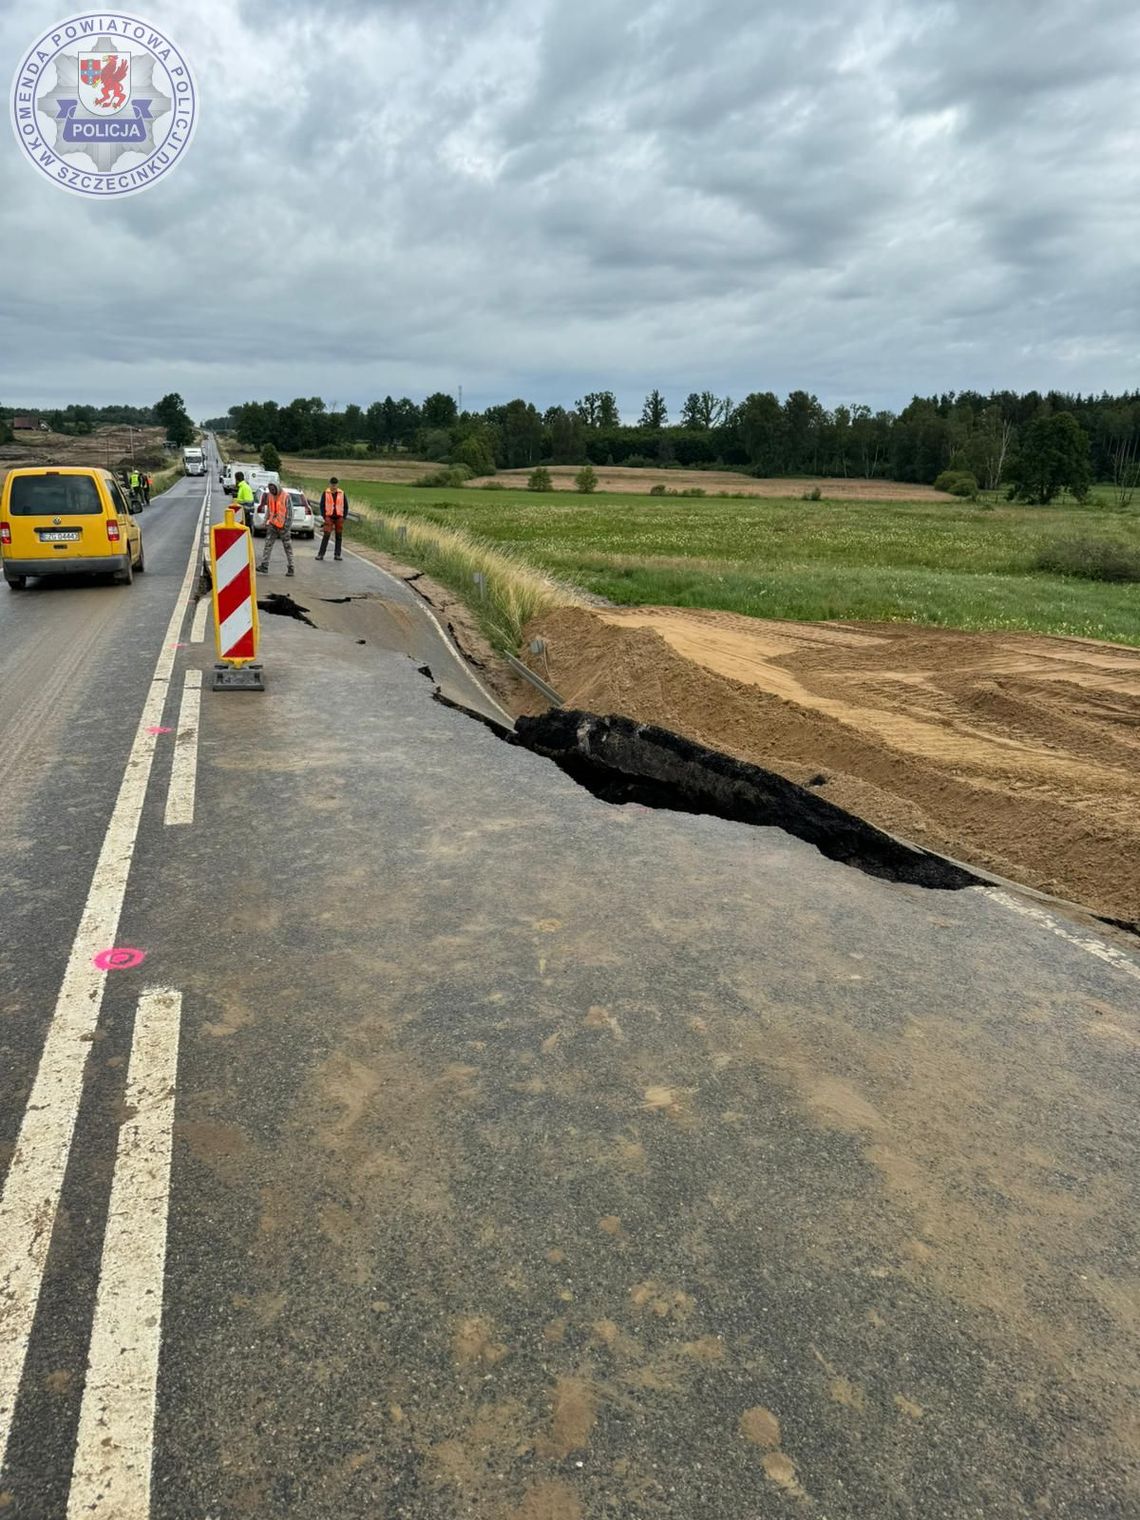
point(54, 496)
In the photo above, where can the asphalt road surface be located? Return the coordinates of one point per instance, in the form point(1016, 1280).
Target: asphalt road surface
point(389, 1128)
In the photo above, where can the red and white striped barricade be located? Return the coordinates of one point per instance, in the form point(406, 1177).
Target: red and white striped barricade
point(236, 629)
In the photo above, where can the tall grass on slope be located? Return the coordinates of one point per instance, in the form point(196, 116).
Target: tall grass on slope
point(513, 591)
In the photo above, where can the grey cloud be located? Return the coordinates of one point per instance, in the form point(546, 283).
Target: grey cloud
point(540, 198)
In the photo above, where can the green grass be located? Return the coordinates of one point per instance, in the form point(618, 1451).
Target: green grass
point(951, 564)
point(511, 592)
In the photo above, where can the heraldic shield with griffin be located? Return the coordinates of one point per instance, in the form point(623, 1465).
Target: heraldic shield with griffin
point(104, 82)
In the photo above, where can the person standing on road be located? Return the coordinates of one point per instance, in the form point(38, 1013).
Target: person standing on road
point(146, 485)
point(334, 510)
point(243, 497)
point(277, 526)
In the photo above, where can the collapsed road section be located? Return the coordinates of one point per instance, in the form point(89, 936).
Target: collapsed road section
point(622, 761)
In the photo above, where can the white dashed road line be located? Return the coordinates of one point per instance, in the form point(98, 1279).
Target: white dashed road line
point(184, 770)
point(198, 627)
point(111, 1477)
point(35, 1175)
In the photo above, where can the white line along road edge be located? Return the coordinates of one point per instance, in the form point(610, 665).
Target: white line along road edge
point(202, 610)
point(448, 642)
point(111, 1477)
point(1087, 942)
point(184, 770)
point(35, 1175)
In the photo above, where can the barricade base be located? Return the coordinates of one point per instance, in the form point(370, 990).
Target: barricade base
point(238, 678)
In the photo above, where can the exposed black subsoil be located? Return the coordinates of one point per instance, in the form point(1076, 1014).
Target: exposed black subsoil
point(620, 761)
point(284, 606)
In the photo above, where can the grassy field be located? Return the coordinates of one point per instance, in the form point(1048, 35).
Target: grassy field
point(948, 563)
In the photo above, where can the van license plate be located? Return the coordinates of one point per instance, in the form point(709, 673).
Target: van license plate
point(69, 535)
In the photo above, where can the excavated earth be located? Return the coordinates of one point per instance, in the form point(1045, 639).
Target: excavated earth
point(1013, 752)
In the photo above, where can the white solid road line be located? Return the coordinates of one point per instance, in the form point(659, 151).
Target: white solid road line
point(35, 1175)
point(439, 628)
point(184, 770)
point(1086, 942)
point(111, 1476)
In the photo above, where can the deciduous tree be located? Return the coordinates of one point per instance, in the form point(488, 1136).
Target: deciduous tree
point(171, 414)
point(654, 414)
point(1053, 456)
point(439, 410)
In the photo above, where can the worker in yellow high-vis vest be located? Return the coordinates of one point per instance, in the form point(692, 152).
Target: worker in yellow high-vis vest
point(243, 498)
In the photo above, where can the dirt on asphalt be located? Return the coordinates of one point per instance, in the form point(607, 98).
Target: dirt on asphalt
point(1013, 752)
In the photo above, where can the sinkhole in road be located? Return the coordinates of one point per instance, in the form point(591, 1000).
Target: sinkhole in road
point(283, 605)
point(620, 761)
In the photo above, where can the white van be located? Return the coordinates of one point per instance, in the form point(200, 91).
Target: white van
point(259, 479)
point(229, 485)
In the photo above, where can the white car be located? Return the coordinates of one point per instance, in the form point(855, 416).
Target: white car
point(303, 524)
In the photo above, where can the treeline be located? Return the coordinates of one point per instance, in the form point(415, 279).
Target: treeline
point(80, 420)
point(979, 436)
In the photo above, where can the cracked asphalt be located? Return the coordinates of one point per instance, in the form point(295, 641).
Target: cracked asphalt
point(541, 1159)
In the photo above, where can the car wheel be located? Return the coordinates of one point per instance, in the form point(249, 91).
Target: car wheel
point(126, 576)
point(16, 582)
point(141, 566)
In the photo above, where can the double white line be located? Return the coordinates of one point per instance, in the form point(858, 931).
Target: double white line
point(112, 1464)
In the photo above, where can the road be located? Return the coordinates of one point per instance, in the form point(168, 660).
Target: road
point(463, 1145)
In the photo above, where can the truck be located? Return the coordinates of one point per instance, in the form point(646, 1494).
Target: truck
point(193, 461)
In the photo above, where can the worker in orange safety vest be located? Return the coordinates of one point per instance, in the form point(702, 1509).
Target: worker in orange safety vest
point(334, 510)
point(278, 526)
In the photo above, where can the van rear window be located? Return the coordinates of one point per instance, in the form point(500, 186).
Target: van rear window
point(54, 496)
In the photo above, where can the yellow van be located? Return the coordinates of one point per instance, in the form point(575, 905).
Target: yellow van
point(67, 522)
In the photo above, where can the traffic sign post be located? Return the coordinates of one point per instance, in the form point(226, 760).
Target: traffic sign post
point(236, 629)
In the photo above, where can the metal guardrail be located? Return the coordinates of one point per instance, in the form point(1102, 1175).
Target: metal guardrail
point(528, 675)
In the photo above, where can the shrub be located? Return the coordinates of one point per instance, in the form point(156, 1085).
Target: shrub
point(492, 485)
point(586, 479)
point(657, 490)
point(451, 475)
point(539, 480)
point(638, 462)
point(270, 458)
point(475, 453)
point(957, 483)
point(1090, 559)
point(815, 494)
point(693, 491)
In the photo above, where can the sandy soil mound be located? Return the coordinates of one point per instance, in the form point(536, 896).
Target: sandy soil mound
point(1017, 753)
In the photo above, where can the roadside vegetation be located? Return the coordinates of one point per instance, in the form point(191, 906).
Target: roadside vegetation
point(502, 588)
point(955, 563)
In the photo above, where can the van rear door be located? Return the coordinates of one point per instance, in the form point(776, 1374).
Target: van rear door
point(58, 517)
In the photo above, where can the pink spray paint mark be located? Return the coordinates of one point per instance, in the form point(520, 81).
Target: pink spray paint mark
point(119, 959)
point(160, 730)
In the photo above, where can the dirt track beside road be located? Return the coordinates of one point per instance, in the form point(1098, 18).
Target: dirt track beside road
point(1016, 753)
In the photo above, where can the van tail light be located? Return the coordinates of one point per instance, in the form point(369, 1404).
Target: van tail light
point(112, 530)
point(5, 534)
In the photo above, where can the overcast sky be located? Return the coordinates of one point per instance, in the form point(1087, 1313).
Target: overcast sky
point(544, 197)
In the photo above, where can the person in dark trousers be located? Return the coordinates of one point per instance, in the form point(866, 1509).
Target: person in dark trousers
point(278, 527)
point(334, 510)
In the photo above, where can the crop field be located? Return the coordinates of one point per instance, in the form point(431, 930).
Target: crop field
point(946, 563)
